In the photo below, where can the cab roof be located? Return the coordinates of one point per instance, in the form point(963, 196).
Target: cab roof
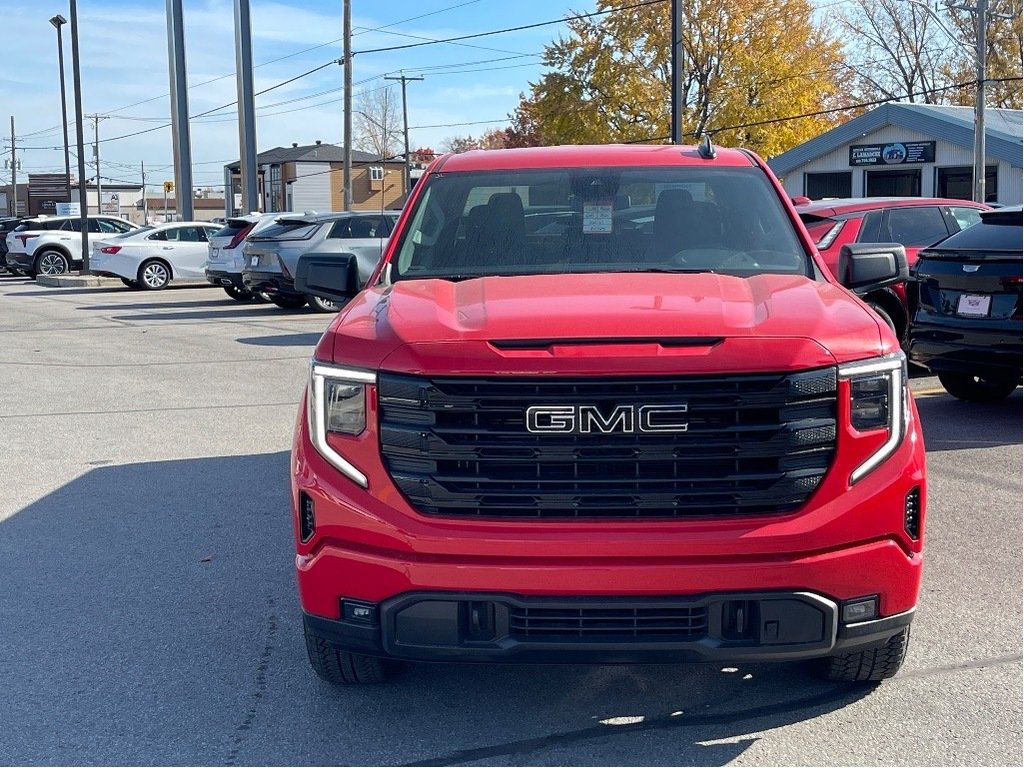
point(582, 156)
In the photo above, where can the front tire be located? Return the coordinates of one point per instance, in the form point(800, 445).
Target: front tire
point(238, 294)
point(288, 301)
point(322, 305)
point(975, 389)
point(52, 263)
point(154, 275)
point(342, 667)
point(871, 664)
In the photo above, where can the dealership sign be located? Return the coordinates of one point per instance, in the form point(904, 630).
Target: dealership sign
point(895, 153)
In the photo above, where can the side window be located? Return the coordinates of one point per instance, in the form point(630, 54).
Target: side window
point(119, 226)
point(339, 230)
point(965, 217)
point(923, 225)
point(871, 228)
point(108, 226)
point(364, 226)
point(68, 225)
point(159, 235)
point(192, 234)
point(94, 225)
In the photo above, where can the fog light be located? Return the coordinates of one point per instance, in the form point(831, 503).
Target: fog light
point(358, 612)
point(861, 609)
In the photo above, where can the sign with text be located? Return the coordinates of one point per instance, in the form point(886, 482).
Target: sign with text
point(69, 209)
point(894, 153)
point(111, 203)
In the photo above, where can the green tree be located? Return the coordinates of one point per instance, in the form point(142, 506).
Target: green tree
point(747, 63)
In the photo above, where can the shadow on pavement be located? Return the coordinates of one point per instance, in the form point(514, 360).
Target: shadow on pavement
point(951, 424)
point(149, 616)
point(283, 340)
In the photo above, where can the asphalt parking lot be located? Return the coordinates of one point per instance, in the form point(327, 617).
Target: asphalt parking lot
point(148, 611)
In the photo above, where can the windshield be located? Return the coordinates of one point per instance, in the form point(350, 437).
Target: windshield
point(674, 219)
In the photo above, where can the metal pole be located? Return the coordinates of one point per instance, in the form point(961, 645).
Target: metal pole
point(979, 107)
point(58, 21)
point(96, 153)
point(14, 172)
point(83, 213)
point(179, 112)
point(677, 71)
point(145, 199)
point(246, 106)
point(165, 203)
point(405, 129)
point(347, 32)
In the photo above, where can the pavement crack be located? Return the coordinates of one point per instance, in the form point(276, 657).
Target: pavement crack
point(259, 687)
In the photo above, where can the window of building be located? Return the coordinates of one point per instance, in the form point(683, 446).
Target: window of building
point(376, 173)
point(957, 183)
point(821, 185)
point(275, 188)
point(893, 183)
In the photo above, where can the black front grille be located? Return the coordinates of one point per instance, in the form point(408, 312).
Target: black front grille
point(754, 444)
point(618, 624)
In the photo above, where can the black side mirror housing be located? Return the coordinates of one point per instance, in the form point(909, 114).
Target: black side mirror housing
point(866, 267)
point(331, 276)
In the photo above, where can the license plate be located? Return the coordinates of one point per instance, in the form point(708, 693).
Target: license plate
point(254, 261)
point(972, 305)
point(215, 254)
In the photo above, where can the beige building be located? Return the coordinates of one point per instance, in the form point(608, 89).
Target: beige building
point(311, 178)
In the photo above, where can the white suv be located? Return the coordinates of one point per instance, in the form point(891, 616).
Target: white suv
point(53, 245)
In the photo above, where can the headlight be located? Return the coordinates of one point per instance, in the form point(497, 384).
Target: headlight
point(336, 403)
point(878, 400)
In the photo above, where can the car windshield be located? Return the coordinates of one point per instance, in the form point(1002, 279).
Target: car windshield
point(997, 234)
point(633, 219)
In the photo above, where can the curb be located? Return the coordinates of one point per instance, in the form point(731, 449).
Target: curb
point(75, 281)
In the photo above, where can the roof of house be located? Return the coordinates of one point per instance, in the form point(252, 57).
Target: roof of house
point(310, 153)
point(1003, 132)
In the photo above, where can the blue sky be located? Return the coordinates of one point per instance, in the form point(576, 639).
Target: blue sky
point(468, 88)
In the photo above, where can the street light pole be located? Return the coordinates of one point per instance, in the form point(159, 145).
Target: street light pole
point(58, 21)
point(979, 107)
point(347, 57)
point(405, 130)
point(83, 212)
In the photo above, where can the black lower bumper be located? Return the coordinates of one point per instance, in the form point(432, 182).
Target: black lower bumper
point(273, 283)
point(475, 627)
point(225, 279)
point(989, 353)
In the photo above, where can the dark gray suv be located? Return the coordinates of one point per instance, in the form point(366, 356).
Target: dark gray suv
point(272, 254)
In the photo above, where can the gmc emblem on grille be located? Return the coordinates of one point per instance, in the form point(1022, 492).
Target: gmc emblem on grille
point(585, 419)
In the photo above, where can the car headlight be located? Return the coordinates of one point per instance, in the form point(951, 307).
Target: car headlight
point(336, 403)
point(878, 400)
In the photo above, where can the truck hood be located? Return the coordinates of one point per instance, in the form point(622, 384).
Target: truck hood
point(603, 323)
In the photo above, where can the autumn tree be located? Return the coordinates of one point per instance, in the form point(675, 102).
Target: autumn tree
point(746, 64)
point(377, 123)
point(1004, 60)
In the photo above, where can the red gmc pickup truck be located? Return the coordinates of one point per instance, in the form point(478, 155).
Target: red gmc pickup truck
point(605, 404)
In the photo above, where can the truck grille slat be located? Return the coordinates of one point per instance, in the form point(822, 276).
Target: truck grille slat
point(753, 444)
point(552, 623)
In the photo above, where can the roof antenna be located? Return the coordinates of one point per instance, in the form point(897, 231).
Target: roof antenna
point(706, 148)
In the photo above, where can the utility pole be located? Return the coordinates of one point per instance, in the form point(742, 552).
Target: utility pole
point(677, 72)
point(246, 108)
point(979, 107)
point(347, 32)
point(14, 172)
point(96, 154)
point(179, 111)
point(145, 200)
point(83, 213)
point(405, 127)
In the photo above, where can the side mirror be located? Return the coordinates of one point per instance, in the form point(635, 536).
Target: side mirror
point(333, 276)
point(865, 267)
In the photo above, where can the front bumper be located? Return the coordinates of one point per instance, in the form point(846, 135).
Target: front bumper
point(273, 283)
point(488, 627)
point(992, 352)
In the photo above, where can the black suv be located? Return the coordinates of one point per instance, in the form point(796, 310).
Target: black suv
point(966, 325)
point(7, 224)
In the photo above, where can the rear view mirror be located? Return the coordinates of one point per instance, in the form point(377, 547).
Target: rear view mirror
point(333, 276)
point(865, 267)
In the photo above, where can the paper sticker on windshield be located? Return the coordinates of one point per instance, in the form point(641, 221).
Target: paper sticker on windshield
point(597, 217)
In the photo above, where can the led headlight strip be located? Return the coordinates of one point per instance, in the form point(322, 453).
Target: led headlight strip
point(895, 366)
point(318, 375)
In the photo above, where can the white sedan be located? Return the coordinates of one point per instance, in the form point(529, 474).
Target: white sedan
point(152, 257)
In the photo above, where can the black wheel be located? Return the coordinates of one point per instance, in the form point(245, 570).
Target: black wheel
point(238, 294)
point(322, 305)
point(154, 275)
point(51, 262)
point(871, 664)
point(342, 667)
point(133, 284)
point(288, 301)
point(975, 389)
